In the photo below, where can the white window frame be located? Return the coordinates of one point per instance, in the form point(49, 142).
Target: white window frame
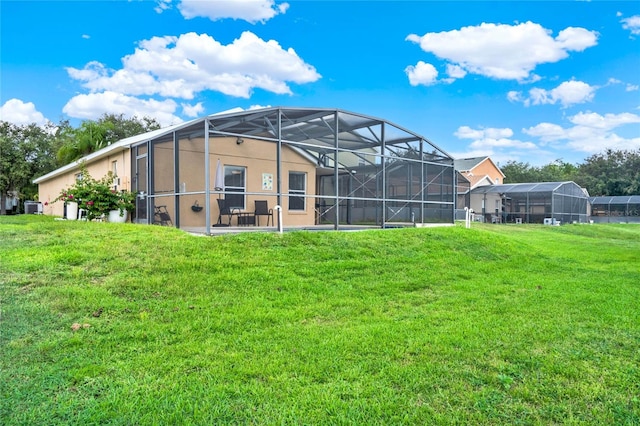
point(232, 189)
point(114, 170)
point(298, 193)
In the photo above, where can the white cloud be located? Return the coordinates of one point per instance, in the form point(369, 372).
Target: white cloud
point(421, 73)
point(190, 63)
point(632, 24)
point(497, 143)
point(91, 106)
point(514, 96)
point(572, 92)
point(252, 107)
point(162, 5)
point(21, 113)
point(192, 110)
point(466, 132)
point(487, 139)
point(248, 10)
point(546, 131)
point(628, 86)
point(567, 93)
point(498, 133)
point(501, 143)
point(508, 52)
point(591, 132)
point(575, 39)
point(455, 71)
point(606, 122)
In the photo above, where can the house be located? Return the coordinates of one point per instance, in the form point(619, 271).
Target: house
point(539, 202)
point(320, 166)
point(479, 171)
point(474, 172)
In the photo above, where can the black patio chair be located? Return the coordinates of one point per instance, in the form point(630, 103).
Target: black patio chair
point(225, 210)
point(162, 217)
point(262, 209)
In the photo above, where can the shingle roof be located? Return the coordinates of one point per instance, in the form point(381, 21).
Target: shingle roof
point(464, 164)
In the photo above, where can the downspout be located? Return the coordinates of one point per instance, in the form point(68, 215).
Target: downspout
point(176, 180)
point(553, 212)
point(384, 177)
point(455, 194)
point(335, 173)
point(484, 204)
point(423, 181)
point(207, 175)
point(279, 165)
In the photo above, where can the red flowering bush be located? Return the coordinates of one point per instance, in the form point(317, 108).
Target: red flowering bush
point(97, 197)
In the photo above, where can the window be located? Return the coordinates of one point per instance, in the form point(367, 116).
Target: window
point(234, 186)
point(114, 170)
point(297, 190)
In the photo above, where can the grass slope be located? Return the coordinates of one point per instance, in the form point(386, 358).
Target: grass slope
point(492, 325)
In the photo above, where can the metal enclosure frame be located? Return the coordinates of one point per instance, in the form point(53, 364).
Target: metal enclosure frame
point(615, 209)
point(368, 171)
point(557, 202)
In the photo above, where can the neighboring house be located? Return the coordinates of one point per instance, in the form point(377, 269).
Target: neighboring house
point(539, 202)
point(463, 188)
point(472, 173)
point(479, 171)
point(322, 166)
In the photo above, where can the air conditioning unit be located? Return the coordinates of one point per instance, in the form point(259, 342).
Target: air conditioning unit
point(32, 207)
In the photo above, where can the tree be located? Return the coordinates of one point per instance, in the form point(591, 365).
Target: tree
point(88, 138)
point(92, 136)
point(558, 171)
point(25, 152)
point(614, 172)
point(127, 127)
point(518, 172)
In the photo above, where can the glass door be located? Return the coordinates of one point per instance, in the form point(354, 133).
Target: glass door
point(141, 185)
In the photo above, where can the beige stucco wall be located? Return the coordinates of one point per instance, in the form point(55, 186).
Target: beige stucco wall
point(259, 157)
point(50, 190)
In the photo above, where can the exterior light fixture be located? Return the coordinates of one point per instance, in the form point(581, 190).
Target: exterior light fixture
point(239, 141)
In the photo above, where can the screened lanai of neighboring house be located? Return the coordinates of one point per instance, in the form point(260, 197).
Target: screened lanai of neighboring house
point(321, 166)
point(555, 202)
point(621, 208)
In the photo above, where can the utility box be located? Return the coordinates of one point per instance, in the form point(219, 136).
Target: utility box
point(32, 207)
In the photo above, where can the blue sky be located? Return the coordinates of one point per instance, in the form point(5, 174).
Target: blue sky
point(522, 81)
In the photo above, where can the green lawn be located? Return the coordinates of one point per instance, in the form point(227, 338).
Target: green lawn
point(492, 325)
